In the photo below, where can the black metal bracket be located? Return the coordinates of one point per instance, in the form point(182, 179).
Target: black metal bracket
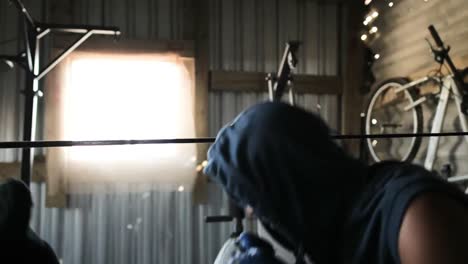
point(278, 82)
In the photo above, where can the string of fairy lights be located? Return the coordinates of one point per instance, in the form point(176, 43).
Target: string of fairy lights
point(370, 31)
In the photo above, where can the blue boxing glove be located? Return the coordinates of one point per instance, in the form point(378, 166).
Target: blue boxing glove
point(254, 250)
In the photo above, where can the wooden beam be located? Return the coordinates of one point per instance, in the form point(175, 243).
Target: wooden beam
point(184, 48)
point(255, 82)
point(12, 170)
point(201, 24)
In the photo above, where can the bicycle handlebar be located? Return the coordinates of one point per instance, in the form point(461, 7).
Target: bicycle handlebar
point(443, 54)
point(436, 36)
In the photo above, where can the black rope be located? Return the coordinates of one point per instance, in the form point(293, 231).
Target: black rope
point(402, 135)
point(53, 144)
point(71, 143)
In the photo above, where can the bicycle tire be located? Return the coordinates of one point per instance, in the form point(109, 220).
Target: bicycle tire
point(411, 94)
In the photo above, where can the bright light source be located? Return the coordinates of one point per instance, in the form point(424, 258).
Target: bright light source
point(374, 143)
point(365, 22)
point(367, 2)
point(373, 30)
point(375, 14)
point(377, 56)
point(181, 188)
point(363, 37)
point(134, 96)
point(374, 121)
point(134, 104)
point(390, 4)
point(204, 163)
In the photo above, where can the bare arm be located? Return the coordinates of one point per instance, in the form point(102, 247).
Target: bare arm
point(434, 230)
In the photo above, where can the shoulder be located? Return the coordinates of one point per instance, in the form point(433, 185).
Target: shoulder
point(41, 249)
point(434, 230)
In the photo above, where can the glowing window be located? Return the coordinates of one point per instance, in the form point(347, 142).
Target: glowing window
point(127, 97)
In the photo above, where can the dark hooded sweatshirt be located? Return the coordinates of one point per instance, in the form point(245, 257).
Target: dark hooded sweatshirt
point(309, 194)
point(18, 243)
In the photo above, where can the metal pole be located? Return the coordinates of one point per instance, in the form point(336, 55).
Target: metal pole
point(30, 102)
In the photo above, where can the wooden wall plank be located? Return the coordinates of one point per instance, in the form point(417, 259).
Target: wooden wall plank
point(402, 30)
point(12, 169)
point(353, 77)
point(255, 82)
point(202, 68)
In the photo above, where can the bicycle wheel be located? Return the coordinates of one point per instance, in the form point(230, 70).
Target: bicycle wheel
point(389, 112)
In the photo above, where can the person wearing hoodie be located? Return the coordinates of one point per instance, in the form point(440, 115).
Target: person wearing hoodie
point(325, 206)
point(18, 243)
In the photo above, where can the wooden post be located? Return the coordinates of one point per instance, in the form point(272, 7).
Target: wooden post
point(353, 76)
point(202, 67)
point(61, 11)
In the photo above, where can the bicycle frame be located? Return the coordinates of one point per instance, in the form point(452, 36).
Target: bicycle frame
point(448, 85)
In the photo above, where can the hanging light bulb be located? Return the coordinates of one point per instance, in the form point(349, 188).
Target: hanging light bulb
point(376, 56)
point(373, 30)
point(390, 4)
point(375, 14)
point(363, 37)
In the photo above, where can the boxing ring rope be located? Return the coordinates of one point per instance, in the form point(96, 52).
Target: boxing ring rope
point(72, 143)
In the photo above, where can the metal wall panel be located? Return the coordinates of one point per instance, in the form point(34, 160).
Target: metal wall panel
point(11, 82)
point(250, 35)
point(244, 35)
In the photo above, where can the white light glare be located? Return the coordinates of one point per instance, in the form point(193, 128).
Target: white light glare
point(377, 56)
point(375, 14)
point(390, 4)
point(363, 37)
point(374, 121)
point(374, 143)
point(367, 2)
point(143, 100)
point(373, 30)
point(181, 188)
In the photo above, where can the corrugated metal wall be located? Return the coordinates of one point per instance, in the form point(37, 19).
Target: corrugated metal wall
point(10, 98)
point(250, 35)
point(244, 35)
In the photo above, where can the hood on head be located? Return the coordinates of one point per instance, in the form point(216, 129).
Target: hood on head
point(282, 162)
point(15, 208)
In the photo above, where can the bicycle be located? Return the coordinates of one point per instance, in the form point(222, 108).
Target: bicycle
point(395, 107)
